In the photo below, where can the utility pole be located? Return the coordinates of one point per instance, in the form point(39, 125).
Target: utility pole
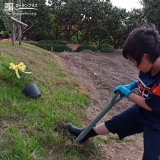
point(12, 24)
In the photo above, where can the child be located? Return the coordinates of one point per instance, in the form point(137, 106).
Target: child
point(142, 48)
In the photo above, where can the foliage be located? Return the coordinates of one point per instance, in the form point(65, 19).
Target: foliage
point(3, 34)
point(86, 16)
point(118, 25)
point(55, 42)
point(95, 21)
point(74, 39)
point(83, 21)
point(151, 11)
point(57, 46)
point(86, 47)
point(4, 20)
point(46, 46)
point(61, 48)
point(43, 22)
point(106, 48)
point(2, 28)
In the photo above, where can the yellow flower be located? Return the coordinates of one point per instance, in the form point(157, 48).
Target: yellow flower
point(20, 67)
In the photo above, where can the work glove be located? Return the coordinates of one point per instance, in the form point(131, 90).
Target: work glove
point(132, 85)
point(122, 89)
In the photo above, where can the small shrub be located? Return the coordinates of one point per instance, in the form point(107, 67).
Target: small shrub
point(86, 47)
point(44, 46)
point(45, 42)
point(56, 48)
point(106, 48)
point(51, 42)
point(74, 39)
point(61, 48)
point(58, 42)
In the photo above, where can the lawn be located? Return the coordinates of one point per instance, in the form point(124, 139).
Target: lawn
point(34, 129)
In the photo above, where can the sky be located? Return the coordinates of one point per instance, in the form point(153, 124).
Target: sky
point(126, 4)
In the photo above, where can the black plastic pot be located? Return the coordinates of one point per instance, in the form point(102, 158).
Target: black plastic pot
point(32, 91)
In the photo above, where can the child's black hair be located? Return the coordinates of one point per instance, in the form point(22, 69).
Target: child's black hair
point(143, 40)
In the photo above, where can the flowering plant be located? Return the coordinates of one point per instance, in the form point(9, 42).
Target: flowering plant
point(18, 77)
point(20, 67)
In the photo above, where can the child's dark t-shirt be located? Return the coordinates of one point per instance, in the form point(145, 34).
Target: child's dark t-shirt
point(149, 88)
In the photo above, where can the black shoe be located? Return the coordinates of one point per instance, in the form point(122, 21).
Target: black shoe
point(73, 130)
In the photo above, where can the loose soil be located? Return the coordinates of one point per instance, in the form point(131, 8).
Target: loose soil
point(100, 73)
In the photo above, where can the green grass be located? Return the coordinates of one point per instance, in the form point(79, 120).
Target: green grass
point(35, 129)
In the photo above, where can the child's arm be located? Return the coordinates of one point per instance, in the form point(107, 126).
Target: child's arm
point(139, 100)
point(135, 98)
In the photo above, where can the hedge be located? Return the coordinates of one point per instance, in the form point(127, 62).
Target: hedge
point(86, 47)
point(56, 48)
point(56, 42)
point(106, 48)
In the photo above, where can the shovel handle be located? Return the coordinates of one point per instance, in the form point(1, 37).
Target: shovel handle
point(116, 98)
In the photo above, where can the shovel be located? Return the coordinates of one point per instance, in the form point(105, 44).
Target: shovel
point(116, 98)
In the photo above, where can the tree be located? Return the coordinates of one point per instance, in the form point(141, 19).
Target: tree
point(151, 9)
point(117, 24)
point(42, 19)
point(4, 20)
point(83, 16)
point(123, 23)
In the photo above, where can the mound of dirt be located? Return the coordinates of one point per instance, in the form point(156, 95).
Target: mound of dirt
point(100, 73)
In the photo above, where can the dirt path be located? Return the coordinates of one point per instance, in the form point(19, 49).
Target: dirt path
point(101, 73)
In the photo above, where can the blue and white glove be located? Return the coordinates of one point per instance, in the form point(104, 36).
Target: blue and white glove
point(132, 85)
point(124, 90)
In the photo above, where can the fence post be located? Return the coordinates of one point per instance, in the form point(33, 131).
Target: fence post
point(12, 25)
